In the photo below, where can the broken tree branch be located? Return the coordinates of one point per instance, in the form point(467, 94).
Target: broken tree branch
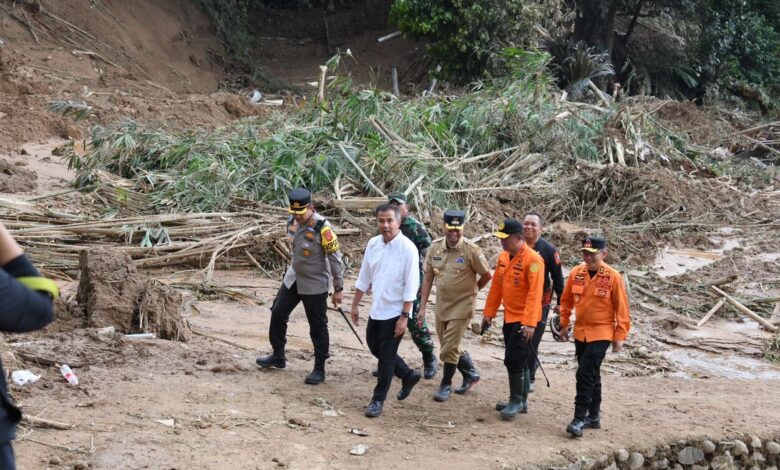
point(360, 170)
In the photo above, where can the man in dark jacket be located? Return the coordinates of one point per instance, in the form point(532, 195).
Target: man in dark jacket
point(26, 306)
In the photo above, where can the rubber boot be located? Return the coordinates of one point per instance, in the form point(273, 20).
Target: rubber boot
point(578, 423)
point(443, 394)
point(430, 366)
point(275, 360)
point(515, 396)
point(317, 376)
point(470, 374)
point(526, 390)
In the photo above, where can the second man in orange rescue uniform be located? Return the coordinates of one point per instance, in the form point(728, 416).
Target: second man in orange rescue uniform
point(518, 283)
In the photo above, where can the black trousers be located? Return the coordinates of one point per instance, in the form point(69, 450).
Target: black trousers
point(589, 358)
point(316, 307)
point(516, 349)
point(7, 459)
point(381, 339)
point(535, 340)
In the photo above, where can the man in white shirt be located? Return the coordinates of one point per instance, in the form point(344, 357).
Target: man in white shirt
point(391, 269)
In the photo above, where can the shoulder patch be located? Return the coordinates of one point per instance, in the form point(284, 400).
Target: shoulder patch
point(534, 267)
point(329, 240)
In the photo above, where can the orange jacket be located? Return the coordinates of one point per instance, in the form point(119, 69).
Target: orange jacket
point(601, 304)
point(518, 284)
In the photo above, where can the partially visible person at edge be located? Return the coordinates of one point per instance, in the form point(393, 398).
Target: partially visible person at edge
point(460, 270)
point(390, 268)
point(518, 284)
point(415, 231)
point(27, 306)
point(316, 260)
point(597, 293)
point(533, 223)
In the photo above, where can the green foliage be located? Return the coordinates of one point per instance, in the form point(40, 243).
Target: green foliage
point(445, 139)
point(78, 109)
point(465, 35)
point(582, 65)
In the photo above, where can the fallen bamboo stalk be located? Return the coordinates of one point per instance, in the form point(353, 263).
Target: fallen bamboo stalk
point(45, 423)
point(388, 37)
point(711, 312)
point(745, 310)
point(29, 26)
point(360, 170)
point(321, 89)
point(599, 94)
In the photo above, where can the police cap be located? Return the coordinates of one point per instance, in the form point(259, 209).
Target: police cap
point(300, 198)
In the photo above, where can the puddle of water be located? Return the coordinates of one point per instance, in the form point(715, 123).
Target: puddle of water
point(721, 365)
point(675, 261)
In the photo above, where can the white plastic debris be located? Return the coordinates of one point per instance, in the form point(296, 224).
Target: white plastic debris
point(109, 330)
point(23, 377)
point(256, 97)
point(359, 449)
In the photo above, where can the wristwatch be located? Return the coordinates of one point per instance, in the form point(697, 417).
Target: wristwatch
point(405, 314)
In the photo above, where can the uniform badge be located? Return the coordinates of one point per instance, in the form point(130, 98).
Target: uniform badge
point(460, 260)
point(330, 242)
point(601, 293)
point(534, 267)
point(436, 271)
point(310, 235)
point(306, 252)
point(517, 281)
point(557, 258)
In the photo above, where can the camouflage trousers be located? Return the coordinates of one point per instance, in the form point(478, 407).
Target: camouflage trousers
point(421, 335)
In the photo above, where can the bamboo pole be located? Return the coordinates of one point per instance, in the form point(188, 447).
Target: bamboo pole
point(711, 312)
point(745, 310)
point(360, 170)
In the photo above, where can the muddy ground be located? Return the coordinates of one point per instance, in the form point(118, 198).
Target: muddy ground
point(203, 404)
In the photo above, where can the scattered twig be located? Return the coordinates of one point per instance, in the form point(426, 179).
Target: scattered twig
point(214, 338)
point(746, 310)
point(711, 312)
point(45, 423)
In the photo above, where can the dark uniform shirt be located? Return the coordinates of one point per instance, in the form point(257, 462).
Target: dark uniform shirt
point(552, 271)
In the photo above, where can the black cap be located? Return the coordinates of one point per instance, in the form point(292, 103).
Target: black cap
point(300, 198)
point(508, 227)
point(593, 244)
point(454, 219)
point(400, 198)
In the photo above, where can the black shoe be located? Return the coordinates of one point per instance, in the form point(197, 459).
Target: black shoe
point(407, 384)
point(316, 376)
point(374, 409)
point(430, 367)
point(375, 372)
point(592, 423)
point(575, 427)
point(271, 361)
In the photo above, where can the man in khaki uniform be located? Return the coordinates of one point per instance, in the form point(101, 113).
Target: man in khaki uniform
point(460, 270)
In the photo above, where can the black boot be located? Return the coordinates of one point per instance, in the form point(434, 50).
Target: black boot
point(446, 383)
point(470, 374)
point(430, 365)
point(317, 375)
point(526, 389)
point(576, 426)
point(275, 360)
point(592, 422)
point(374, 409)
point(515, 404)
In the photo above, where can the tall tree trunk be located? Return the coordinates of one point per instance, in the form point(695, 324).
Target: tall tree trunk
point(595, 23)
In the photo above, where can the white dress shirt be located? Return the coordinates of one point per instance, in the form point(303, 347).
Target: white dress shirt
point(392, 271)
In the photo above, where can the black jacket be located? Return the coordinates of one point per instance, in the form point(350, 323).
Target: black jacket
point(21, 310)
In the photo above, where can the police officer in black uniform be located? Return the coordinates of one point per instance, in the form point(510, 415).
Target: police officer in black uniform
point(533, 224)
point(316, 260)
point(26, 306)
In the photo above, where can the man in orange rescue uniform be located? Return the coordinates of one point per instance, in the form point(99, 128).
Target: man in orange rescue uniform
point(518, 283)
point(596, 291)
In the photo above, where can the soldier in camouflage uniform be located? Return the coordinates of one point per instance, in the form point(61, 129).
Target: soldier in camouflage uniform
point(416, 232)
point(316, 260)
